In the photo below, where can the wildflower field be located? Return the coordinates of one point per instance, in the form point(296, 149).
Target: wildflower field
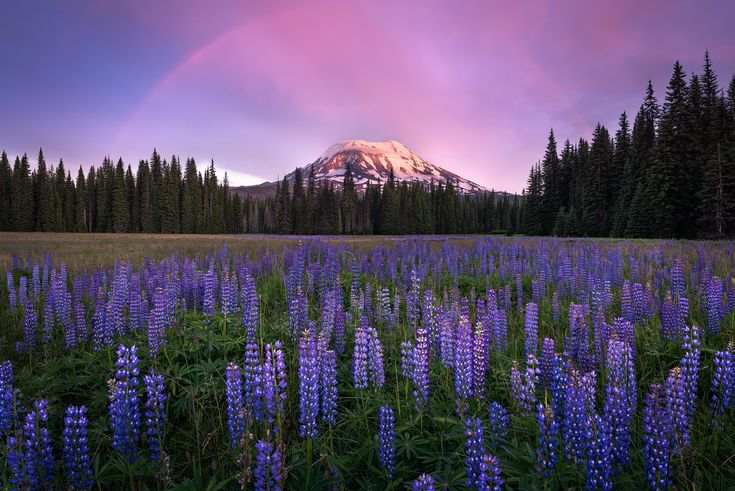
point(154, 362)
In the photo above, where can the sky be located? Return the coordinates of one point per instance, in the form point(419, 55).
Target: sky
point(261, 87)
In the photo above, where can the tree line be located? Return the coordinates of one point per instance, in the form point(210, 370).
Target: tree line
point(671, 175)
point(162, 196)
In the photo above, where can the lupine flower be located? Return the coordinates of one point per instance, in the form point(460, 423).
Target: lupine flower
point(360, 359)
point(722, 381)
point(500, 330)
point(157, 324)
point(124, 408)
point(250, 306)
point(308, 385)
point(48, 319)
point(386, 440)
point(77, 461)
point(523, 388)
point(489, 478)
point(620, 398)
point(447, 340)
point(407, 359)
point(12, 296)
point(30, 455)
point(210, 294)
point(252, 383)
point(578, 410)
point(714, 305)
point(498, 420)
point(531, 328)
point(7, 398)
point(269, 471)
point(463, 360)
point(480, 356)
point(234, 395)
point(367, 360)
point(424, 483)
point(669, 321)
point(329, 386)
point(474, 451)
point(548, 440)
point(420, 368)
point(657, 435)
point(555, 307)
point(690, 366)
point(81, 322)
point(546, 365)
point(155, 414)
point(676, 399)
point(599, 459)
point(30, 323)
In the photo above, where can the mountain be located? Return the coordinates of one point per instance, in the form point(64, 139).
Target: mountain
point(371, 162)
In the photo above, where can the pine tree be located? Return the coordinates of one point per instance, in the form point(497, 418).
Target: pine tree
point(624, 191)
point(595, 213)
point(82, 209)
point(349, 202)
point(550, 201)
point(283, 208)
point(390, 207)
point(120, 205)
point(298, 205)
point(533, 203)
point(22, 196)
point(6, 179)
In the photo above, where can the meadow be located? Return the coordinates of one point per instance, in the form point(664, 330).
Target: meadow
point(260, 362)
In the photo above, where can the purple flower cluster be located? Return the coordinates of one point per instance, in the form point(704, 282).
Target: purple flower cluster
point(308, 385)
point(329, 386)
point(234, 396)
point(474, 450)
point(548, 440)
point(30, 454)
point(367, 361)
point(723, 381)
point(657, 436)
point(620, 398)
point(386, 440)
point(419, 368)
point(124, 408)
point(7, 398)
point(157, 323)
point(77, 461)
point(424, 483)
point(523, 387)
point(269, 469)
point(531, 328)
point(498, 420)
point(155, 412)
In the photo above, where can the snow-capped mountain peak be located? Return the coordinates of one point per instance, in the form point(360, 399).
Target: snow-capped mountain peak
point(372, 162)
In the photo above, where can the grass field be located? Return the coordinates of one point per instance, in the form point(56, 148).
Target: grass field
point(461, 303)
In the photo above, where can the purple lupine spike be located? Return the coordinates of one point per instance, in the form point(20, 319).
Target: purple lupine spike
point(30, 324)
point(669, 321)
point(30, 454)
point(519, 292)
point(620, 396)
point(7, 398)
point(675, 390)
point(474, 450)
point(308, 385)
point(690, 366)
point(657, 436)
point(235, 404)
point(498, 420)
point(599, 460)
point(548, 440)
point(81, 322)
point(386, 440)
point(489, 477)
point(531, 328)
point(251, 380)
point(375, 356)
point(269, 469)
point(500, 330)
point(480, 357)
point(463, 361)
point(210, 294)
point(360, 359)
point(555, 307)
point(339, 328)
point(447, 340)
point(428, 319)
point(157, 324)
point(546, 363)
point(155, 414)
point(328, 375)
point(77, 461)
point(250, 306)
point(578, 410)
point(723, 381)
point(124, 408)
point(407, 359)
point(12, 295)
point(714, 305)
point(419, 368)
point(424, 483)
point(523, 387)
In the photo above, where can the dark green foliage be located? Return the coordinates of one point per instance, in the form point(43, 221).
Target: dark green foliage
point(673, 175)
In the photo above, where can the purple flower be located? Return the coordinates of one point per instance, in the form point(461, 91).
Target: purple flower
point(157, 324)
point(367, 359)
point(7, 398)
point(722, 381)
point(269, 470)
point(252, 381)
point(523, 387)
point(548, 440)
point(489, 477)
point(657, 436)
point(250, 307)
point(424, 483)
point(77, 462)
point(155, 414)
point(531, 328)
point(386, 440)
point(234, 395)
point(599, 459)
point(474, 451)
point(463, 361)
point(419, 368)
point(308, 385)
point(690, 366)
point(30, 324)
point(124, 408)
point(546, 365)
point(714, 305)
point(329, 386)
point(498, 420)
point(676, 399)
point(30, 454)
point(209, 305)
point(620, 398)
point(578, 411)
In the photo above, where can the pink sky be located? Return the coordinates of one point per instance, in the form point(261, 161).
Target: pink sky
point(261, 87)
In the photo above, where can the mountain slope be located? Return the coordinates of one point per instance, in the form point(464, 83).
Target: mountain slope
point(371, 162)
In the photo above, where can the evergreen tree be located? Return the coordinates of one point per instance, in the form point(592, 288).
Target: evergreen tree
point(550, 170)
point(349, 202)
point(533, 203)
point(22, 196)
point(283, 208)
point(82, 205)
point(120, 204)
point(6, 179)
point(299, 213)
